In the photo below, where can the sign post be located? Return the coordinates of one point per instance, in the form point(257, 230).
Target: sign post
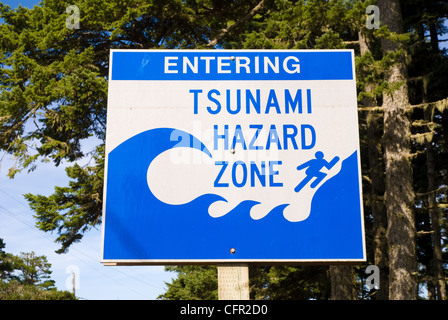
point(232, 157)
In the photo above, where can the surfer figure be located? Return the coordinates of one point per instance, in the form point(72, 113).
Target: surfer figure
point(314, 166)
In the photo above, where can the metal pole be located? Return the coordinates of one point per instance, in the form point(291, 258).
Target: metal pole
point(73, 283)
point(233, 282)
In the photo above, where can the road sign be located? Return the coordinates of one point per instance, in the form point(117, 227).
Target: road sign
point(232, 156)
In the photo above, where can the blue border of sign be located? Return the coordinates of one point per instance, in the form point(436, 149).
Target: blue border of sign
point(139, 229)
point(151, 65)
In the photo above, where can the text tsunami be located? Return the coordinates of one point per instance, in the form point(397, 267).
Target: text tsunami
point(237, 102)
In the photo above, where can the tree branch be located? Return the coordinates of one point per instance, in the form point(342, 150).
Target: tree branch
point(246, 18)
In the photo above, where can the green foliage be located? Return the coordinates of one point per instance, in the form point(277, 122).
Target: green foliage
point(33, 270)
point(192, 283)
point(15, 290)
point(72, 210)
point(27, 277)
point(302, 24)
point(6, 263)
point(52, 95)
point(266, 282)
point(289, 283)
point(298, 283)
point(53, 87)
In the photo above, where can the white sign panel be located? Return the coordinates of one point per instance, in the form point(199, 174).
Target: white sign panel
point(216, 155)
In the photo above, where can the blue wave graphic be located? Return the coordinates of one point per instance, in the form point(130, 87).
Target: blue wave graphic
point(139, 226)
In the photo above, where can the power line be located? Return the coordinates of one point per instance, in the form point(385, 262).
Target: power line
point(32, 226)
point(15, 199)
point(9, 213)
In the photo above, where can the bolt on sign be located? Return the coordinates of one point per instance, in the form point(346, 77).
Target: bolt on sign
point(219, 156)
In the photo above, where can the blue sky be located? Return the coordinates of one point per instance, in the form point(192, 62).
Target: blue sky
point(95, 280)
point(17, 229)
point(24, 3)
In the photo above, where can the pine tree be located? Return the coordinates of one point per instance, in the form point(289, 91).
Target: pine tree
point(399, 197)
point(426, 78)
point(27, 277)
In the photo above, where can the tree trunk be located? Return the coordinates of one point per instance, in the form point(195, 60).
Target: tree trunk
point(434, 213)
point(437, 271)
point(376, 175)
point(342, 283)
point(438, 283)
point(399, 193)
